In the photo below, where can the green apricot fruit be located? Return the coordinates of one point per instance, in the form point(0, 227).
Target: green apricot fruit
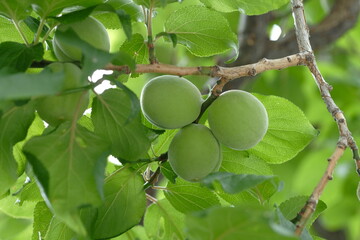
point(57, 109)
point(89, 30)
point(170, 102)
point(194, 152)
point(238, 119)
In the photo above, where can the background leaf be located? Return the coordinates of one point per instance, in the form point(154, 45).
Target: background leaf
point(289, 131)
point(204, 32)
point(245, 222)
point(162, 221)
point(249, 7)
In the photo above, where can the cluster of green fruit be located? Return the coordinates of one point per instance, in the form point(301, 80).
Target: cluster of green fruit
point(57, 109)
point(237, 119)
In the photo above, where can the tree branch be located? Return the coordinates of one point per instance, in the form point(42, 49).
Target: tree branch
point(346, 139)
point(228, 73)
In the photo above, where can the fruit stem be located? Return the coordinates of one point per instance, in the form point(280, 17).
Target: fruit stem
point(153, 179)
point(205, 105)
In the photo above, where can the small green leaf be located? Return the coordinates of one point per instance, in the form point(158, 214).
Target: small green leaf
point(18, 56)
point(25, 85)
point(34, 24)
point(125, 20)
point(189, 197)
point(287, 228)
point(124, 205)
point(358, 191)
point(289, 131)
point(14, 125)
point(15, 9)
point(291, 207)
point(202, 31)
point(69, 164)
point(161, 144)
point(249, 7)
point(163, 222)
point(42, 218)
point(227, 223)
point(168, 172)
point(171, 36)
point(233, 183)
point(136, 48)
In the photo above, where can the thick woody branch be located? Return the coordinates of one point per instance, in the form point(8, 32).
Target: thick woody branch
point(346, 139)
point(228, 73)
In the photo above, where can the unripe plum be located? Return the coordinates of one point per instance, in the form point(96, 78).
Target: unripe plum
point(238, 119)
point(170, 102)
point(194, 152)
point(57, 109)
point(89, 30)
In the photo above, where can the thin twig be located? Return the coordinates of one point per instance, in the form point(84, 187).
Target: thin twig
point(346, 139)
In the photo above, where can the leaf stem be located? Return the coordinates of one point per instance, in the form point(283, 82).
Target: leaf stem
point(39, 30)
point(20, 32)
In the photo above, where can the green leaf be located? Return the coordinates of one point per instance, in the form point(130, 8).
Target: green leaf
point(135, 233)
point(249, 7)
point(18, 56)
point(289, 131)
point(14, 228)
point(24, 85)
point(163, 222)
point(15, 9)
point(168, 172)
point(34, 24)
point(110, 115)
point(137, 49)
point(170, 36)
point(291, 207)
point(161, 144)
point(36, 128)
point(241, 162)
point(155, 3)
point(124, 205)
point(69, 164)
point(42, 218)
point(358, 191)
point(46, 8)
point(111, 19)
point(228, 223)
point(204, 32)
point(189, 197)
point(233, 183)
point(14, 125)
